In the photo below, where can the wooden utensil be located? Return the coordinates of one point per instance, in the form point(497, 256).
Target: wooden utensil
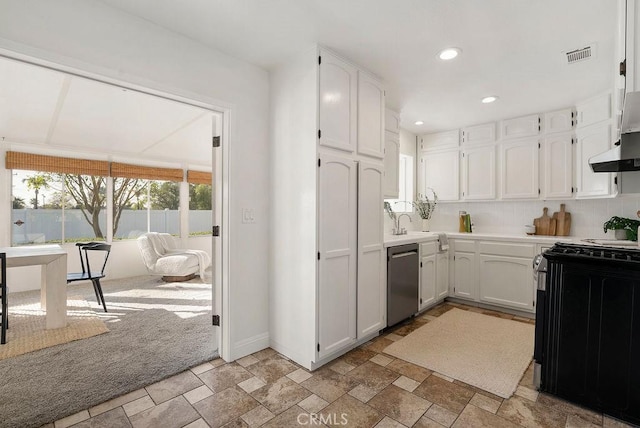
point(563, 221)
point(545, 225)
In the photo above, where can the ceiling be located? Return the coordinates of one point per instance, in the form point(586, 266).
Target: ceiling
point(510, 48)
point(51, 109)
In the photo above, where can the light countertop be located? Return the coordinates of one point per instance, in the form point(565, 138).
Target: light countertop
point(413, 236)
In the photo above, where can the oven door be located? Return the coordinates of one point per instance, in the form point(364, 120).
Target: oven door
point(540, 275)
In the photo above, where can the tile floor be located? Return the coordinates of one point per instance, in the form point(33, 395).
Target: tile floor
point(363, 388)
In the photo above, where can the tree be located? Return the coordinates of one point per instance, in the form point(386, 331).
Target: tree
point(199, 196)
point(18, 203)
point(36, 182)
point(165, 194)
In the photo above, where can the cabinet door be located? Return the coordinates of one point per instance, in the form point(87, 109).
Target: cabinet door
point(591, 141)
point(506, 281)
point(479, 134)
point(557, 164)
point(392, 121)
point(391, 165)
point(442, 275)
point(594, 110)
point(370, 116)
point(338, 103)
point(371, 254)
point(520, 170)
point(559, 121)
point(427, 280)
point(464, 275)
point(479, 173)
point(337, 240)
point(440, 171)
point(440, 140)
point(520, 127)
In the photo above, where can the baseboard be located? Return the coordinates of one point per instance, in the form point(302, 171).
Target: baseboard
point(249, 346)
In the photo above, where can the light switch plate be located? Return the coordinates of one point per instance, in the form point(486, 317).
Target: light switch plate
point(248, 216)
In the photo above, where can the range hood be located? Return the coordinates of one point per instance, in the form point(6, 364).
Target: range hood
point(625, 156)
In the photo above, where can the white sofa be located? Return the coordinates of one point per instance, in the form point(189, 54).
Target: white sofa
point(162, 257)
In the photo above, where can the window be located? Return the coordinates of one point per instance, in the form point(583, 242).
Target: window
point(200, 214)
point(405, 182)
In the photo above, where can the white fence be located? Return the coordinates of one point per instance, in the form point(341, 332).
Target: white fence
point(45, 225)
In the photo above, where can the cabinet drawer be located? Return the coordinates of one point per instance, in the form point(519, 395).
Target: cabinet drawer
point(510, 249)
point(428, 248)
point(466, 246)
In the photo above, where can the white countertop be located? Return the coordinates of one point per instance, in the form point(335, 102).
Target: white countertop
point(413, 236)
point(409, 238)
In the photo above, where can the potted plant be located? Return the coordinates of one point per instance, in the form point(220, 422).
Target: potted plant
point(425, 208)
point(625, 228)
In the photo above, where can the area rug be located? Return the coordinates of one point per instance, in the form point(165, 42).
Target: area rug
point(27, 332)
point(155, 330)
point(487, 352)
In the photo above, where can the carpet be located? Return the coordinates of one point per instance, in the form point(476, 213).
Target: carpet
point(487, 352)
point(155, 330)
point(27, 332)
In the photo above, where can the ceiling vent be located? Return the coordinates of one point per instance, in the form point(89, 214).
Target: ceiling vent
point(583, 54)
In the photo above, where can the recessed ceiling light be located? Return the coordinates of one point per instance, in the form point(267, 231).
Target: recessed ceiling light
point(419, 122)
point(490, 99)
point(449, 53)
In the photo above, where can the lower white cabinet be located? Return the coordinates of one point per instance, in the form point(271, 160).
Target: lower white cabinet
point(442, 275)
point(427, 281)
point(464, 275)
point(434, 275)
point(506, 281)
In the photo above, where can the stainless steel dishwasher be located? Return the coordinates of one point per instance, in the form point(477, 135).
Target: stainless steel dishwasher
point(402, 282)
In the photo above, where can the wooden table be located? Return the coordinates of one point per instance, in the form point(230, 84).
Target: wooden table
point(53, 291)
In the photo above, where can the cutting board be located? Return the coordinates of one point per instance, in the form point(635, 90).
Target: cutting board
point(545, 225)
point(563, 222)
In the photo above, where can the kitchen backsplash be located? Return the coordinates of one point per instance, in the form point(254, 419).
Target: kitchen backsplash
point(587, 215)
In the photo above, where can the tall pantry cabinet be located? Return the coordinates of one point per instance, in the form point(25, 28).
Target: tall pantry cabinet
point(327, 288)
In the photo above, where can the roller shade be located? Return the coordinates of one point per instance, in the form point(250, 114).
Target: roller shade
point(198, 177)
point(56, 164)
point(125, 170)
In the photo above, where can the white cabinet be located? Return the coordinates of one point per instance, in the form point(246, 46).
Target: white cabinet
point(440, 140)
point(427, 281)
point(506, 281)
point(591, 141)
point(479, 134)
point(559, 121)
point(526, 126)
point(594, 110)
point(479, 173)
point(370, 116)
point(442, 275)
point(392, 121)
point(464, 276)
point(440, 171)
point(391, 165)
point(557, 166)
point(520, 169)
point(337, 244)
point(372, 283)
point(337, 103)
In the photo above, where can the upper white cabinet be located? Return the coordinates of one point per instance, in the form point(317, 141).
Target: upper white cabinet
point(479, 173)
point(370, 116)
point(392, 121)
point(440, 140)
point(372, 284)
point(338, 103)
point(594, 110)
point(559, 121)
point(557, 166)
point(439, 171)
point(520, 169)
point(526, 126)
point(337, 246)
point(391, 165)
point(479, 134)
point(591, 141)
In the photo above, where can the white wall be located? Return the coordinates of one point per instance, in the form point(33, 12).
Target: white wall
point(92, 37)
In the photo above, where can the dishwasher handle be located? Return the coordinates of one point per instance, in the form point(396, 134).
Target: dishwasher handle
point(408, 253)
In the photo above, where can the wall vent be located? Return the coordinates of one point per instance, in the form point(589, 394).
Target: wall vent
point(582, 54)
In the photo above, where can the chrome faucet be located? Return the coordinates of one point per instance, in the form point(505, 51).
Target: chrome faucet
point(398, 230)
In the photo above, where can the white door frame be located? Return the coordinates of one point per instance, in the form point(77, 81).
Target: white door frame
point(220, 248)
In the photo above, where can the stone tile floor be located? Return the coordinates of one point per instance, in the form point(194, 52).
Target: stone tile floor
point(363, 388)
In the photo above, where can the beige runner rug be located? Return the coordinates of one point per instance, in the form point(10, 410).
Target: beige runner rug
point(27, 331)
point(488, 352)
